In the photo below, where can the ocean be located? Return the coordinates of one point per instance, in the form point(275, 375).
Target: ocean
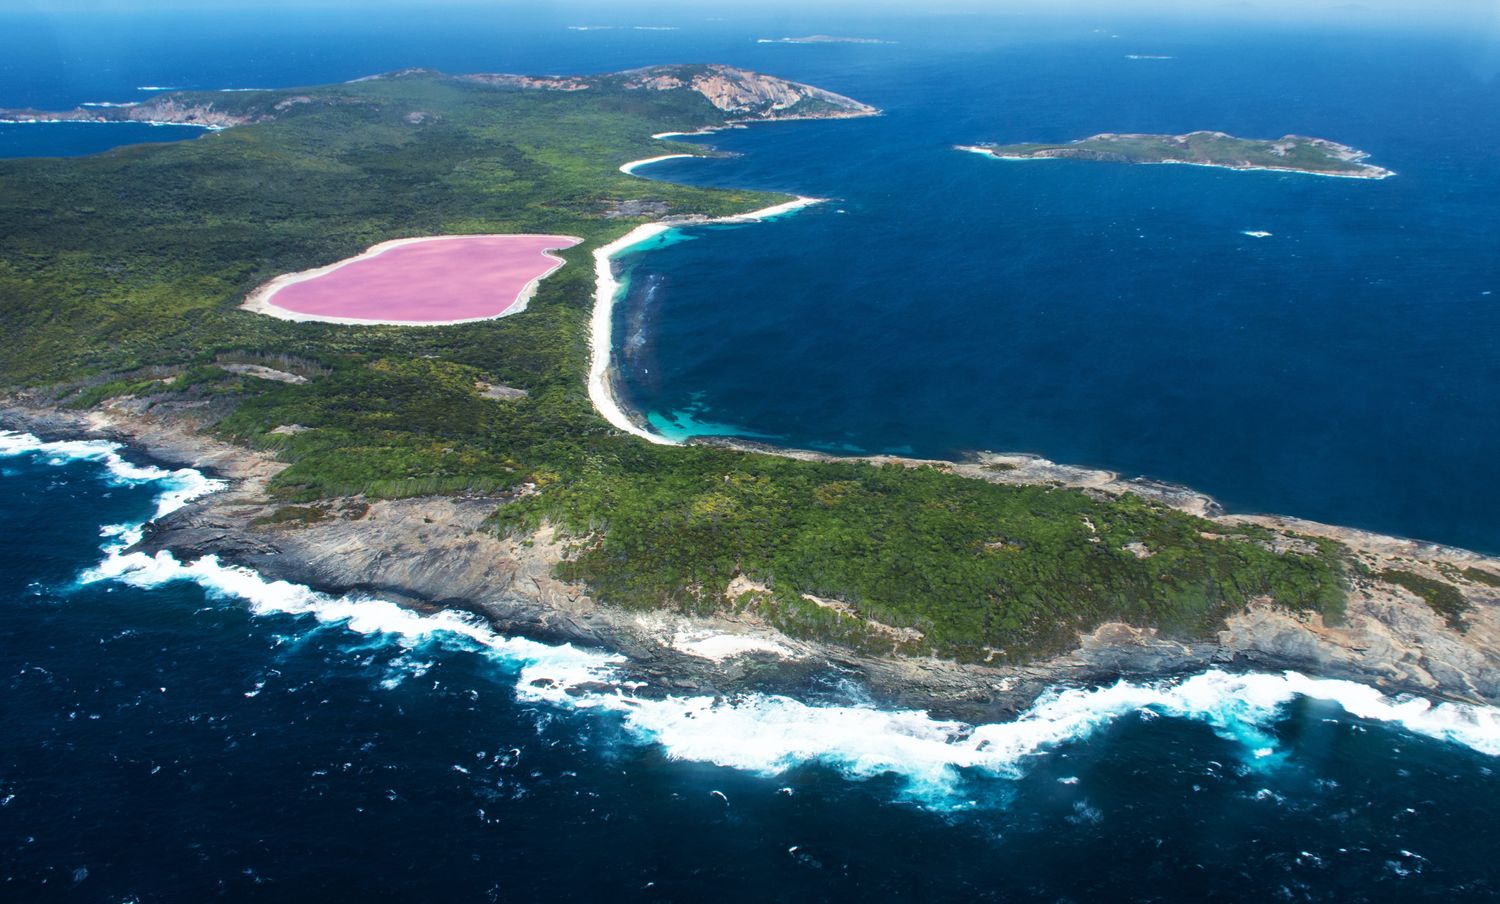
point(177, 731)
point(1343, 368)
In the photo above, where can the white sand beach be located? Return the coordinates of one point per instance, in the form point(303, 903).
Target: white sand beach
point(629, 168)
point(607, 288)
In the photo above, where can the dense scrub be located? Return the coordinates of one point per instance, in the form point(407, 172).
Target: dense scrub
point(982, 571)
point(120, 275)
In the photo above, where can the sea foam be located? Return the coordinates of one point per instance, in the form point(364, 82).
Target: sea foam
point(177, 488)
point(769, 734)
point(764, 733)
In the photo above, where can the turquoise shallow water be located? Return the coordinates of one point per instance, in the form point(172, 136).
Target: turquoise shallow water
point(1343, 368)
point(184, 733)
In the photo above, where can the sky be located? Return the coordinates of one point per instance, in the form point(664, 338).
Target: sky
point(1289, 8)
point(1480, 19)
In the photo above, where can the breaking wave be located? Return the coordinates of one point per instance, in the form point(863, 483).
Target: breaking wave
point(177, 488)
point(769, 734)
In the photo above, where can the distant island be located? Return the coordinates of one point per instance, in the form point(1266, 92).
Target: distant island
point(485, 465)
point(622, 27)
point(1290, 153)
point(822, 39)
point(735, 95)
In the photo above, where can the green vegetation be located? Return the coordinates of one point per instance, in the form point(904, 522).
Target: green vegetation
point(1480, 576)
point(1443, 597)
point(120, 275)
point(1292, 152)
point(137, 257)
point(975, 566)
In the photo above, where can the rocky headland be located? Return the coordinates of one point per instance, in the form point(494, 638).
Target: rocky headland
point(1417, 617)
point(742, 95)
point(437, 552)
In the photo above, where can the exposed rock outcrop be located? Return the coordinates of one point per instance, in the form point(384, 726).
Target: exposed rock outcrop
point(529, 82)
point(742, 95)
point(436, 552)
point(748, 95)
point(173, 109)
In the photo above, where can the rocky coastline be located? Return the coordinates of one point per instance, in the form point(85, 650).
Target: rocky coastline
point(740, 95)
point(168, 110)
point(1219, 150)
point(434, 552)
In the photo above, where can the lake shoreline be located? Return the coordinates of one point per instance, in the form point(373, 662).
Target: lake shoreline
point(432, 553)
point(261, 299)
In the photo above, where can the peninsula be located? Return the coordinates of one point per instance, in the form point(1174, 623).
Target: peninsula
point(464, 465)
point(1290, 153)
point(742, 95)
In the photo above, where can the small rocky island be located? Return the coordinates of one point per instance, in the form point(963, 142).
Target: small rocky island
point(1290, 153)
point(822, 39)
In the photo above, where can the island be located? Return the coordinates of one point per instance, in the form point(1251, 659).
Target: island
point(822, 39)
point(467, 465)
point(1290, 153)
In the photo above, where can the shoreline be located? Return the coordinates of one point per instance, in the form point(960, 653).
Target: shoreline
point(1377, 644)
point(432, 553)
point(1382, 172)
point(607, 288)
point(629, 168)
point(662, 136)
point(727, 676)
point(258, 301)
point(113, 122)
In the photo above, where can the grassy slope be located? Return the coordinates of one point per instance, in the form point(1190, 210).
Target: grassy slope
point(120, 274)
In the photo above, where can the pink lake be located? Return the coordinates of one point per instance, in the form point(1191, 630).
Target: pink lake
point(442, 279)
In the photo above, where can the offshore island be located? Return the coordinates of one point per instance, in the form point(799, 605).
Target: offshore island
point(822, 39)
point(1290, 153)
point(465, 463)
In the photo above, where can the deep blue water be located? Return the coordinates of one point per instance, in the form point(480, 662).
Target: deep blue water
point(75, 139)
point(177, 732)
point(166, 741)
point(1345, 368)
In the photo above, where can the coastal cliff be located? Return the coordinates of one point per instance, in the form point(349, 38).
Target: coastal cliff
point(380, 459)
point(441, 552)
